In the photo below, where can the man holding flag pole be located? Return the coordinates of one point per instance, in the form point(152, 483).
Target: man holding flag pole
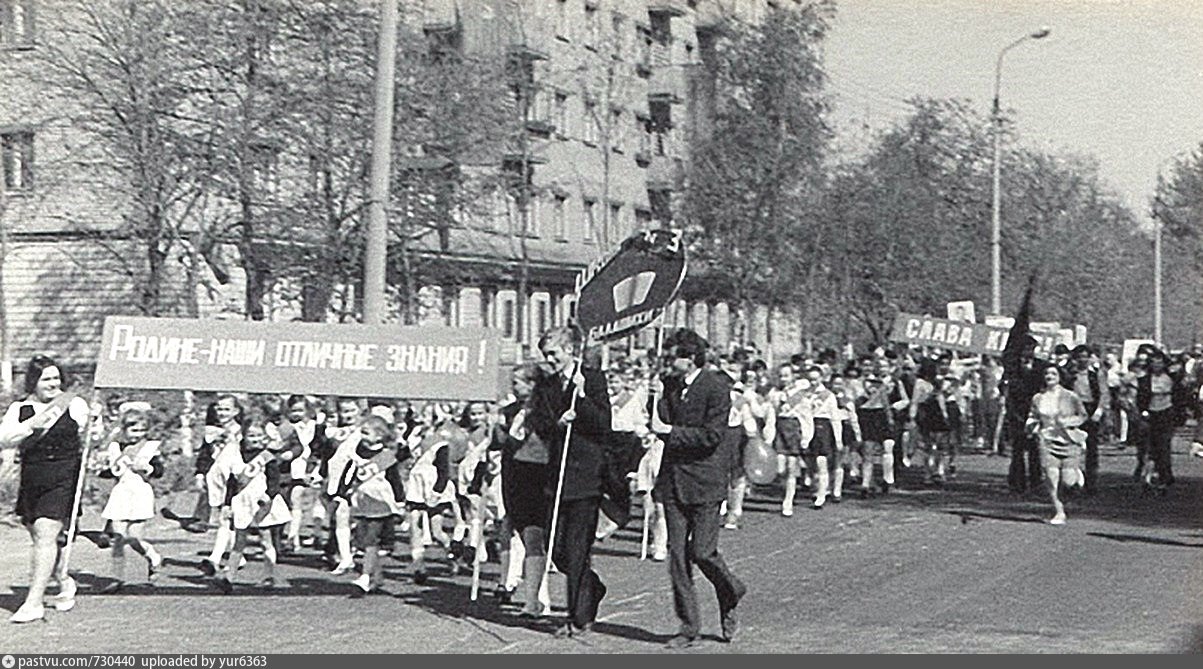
point(569, 410)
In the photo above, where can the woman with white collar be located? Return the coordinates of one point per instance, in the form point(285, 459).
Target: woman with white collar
point(1054, 419)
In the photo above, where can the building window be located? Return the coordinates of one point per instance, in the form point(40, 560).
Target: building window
point(16, 23)
point(591, 27)
point(560, 111)
point(617, 37)
point(613, 229)
point(661, 27)
point(532, 217)
point(590, 207)
point(541, 314)
point(616, 130)
point(16, 150)
point(560, 222)
point(508, 329)
point(563, 23)
point(589, 135)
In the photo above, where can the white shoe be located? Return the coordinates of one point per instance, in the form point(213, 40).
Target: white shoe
point(28, 614)
point(364, 582)
point(65, 599)
point(787, 509)
point(342, 568)
point(660, 556)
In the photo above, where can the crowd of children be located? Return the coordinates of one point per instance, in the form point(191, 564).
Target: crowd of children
point(347, 477)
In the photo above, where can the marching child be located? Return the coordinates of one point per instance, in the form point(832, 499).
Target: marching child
point(344, 439)
point(304, 431)
point(827, 443)
point(131, 459)
point(254, 499)
point(372, 481)
point(790, 428)
point(876, 420)
point(850, 436)
point(430, 488)
point(219, 454)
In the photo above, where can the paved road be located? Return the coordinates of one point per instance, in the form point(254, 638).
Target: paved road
point(969, 568)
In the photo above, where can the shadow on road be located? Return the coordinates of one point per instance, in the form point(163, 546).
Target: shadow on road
point(975, 494)
point(1126, 538)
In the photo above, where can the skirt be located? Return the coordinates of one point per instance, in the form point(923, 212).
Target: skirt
point(649, 467)
point(1058, 454)
point(132, 499)
point(789, 436)
point(245, 506)
point(522, 486)
point(875, 425)
point(419, 489)
point(47, 490)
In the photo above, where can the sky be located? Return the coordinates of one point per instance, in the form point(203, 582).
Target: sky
point(1121, 81)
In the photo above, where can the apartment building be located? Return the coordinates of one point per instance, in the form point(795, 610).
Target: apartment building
point(612, 92)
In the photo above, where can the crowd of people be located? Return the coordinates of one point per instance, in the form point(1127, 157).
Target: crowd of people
point(685, 436)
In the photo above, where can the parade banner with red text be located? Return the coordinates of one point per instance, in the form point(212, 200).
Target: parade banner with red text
point(316, 358)
point(960, 336)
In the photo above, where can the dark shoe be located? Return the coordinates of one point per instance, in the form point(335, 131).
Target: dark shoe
point(564, 631)
point(885, 488)
point(681, 641)
point(503, 594)
point(420, 577)
point(224, 585)
point(103, 541)
point(730, 625)
point(208, 568)
point(836, 499)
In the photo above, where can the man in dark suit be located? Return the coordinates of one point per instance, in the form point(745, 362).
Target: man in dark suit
point(550, 410)
point(691, 419)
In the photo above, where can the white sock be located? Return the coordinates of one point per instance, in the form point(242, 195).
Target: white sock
point(222, 542)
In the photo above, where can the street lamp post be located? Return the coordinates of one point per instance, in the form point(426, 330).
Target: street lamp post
point(996, 219)
point(1157, 282)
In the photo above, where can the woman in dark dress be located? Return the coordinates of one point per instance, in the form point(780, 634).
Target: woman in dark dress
point(46, 429)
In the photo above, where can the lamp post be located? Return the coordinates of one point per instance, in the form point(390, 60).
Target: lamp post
point(996, 220)
point(1157, 282)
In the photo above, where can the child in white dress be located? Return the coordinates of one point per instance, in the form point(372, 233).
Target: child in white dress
point(131, 459)
point(256, 503)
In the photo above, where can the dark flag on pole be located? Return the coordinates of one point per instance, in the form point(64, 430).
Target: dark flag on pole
point(629, 289)
point(619, 295)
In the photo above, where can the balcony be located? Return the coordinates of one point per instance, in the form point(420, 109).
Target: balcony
point(666, 84)
point(672, 8)
point(664, 174)
point(540, 128)
point(440, 16)
point(709, 16)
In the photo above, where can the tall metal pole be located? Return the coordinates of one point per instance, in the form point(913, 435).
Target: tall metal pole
point(996, 213)
point(996, 200)
point(1157, 282)
point(375, 252)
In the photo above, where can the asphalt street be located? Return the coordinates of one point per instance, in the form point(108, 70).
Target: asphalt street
point(967, 568)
